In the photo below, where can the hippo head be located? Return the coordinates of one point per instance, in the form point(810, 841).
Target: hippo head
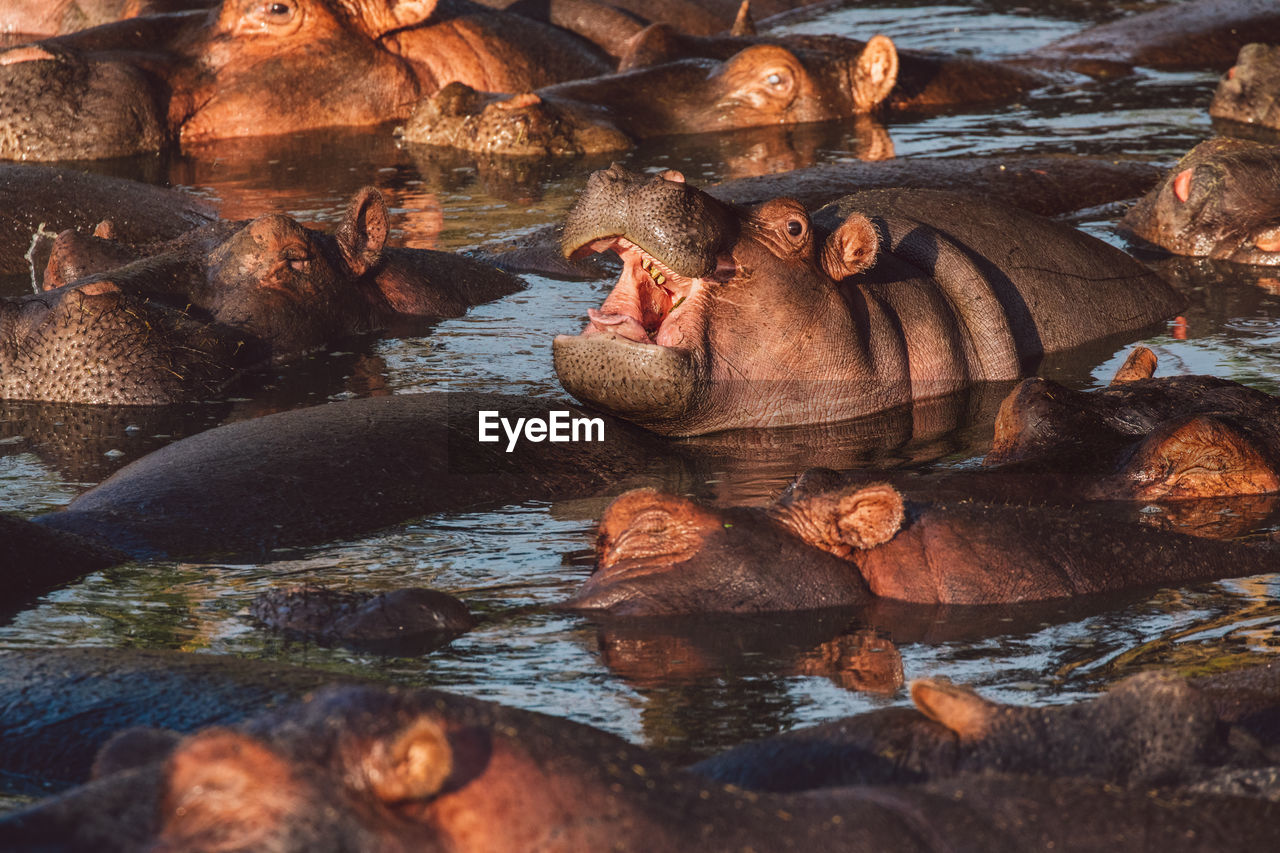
point(1128, 444)
point(1248, 91)
point(661, 554)
point(524, 125)
point(721, 316)
point(1222, 200)
point(286, 288)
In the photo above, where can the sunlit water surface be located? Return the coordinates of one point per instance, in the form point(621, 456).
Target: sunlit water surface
point(713, 690)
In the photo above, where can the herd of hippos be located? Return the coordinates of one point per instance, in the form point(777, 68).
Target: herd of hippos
point(803, 300)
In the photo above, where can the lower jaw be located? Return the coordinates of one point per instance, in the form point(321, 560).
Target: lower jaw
point(648, 384)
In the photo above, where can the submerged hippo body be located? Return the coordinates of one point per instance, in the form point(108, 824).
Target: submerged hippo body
point(761, 85)
point(1221, 200)
point(1149, 730)
point(42, 198)
point(828, 544)
point(1197, 34)
point(340, 470)
point(726, 317)
point(382, 770)
point(251, 68)
point(58, 17)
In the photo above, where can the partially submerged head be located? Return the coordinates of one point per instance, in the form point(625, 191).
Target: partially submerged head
point(695, 336)
point(1144, 439)
point(1248, 92)
point(1222, 200)
point(522, 125)
point(659, 553)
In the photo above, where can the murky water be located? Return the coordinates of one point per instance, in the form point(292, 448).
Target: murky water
point(686, 689)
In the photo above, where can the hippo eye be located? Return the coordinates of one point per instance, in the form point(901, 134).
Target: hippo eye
point(795, 227)
point(297, 259)
point(274, 12)
point(774, 79)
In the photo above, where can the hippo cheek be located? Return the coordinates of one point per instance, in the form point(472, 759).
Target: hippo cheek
point(1194, 457)
point(654, 386)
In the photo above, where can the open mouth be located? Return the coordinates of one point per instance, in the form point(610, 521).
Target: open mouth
point(648, 301)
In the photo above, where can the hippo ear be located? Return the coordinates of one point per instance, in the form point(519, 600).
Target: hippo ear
point(959, 709)
point(869, 516)
point(225, 782)
point(106, 229)
point(851, 248)
point(363, 231)
point(1141, 364)
point(743, 24)
point(411, 766)
point(875, 74)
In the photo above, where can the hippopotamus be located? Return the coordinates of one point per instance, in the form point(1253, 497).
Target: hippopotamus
point(1154, 729)
point(94, 343)
point(897, 295)
point(345, 468)
point(406, 622)
point(760, 85)
point(249, 69)
point(1143, 439)
point(1220, 201)
point(1247, 91)
point(362, 768)
point(60, 706)
point(826, 543)
point(282, 288)
point(1049, 185)
point(47, 199)
point(1200, 34)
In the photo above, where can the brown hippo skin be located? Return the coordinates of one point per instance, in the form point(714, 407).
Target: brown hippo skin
point(1143, 439)
point(1247, 91)
point(251, 68)
point(1198, 34)
point(1221, 200)
point(58, 199)
point(340, 470)
point(1152, 729)
point(828, 544)
point(383, 770)
point(726, 317)
point(761, 85)
point(93, 343)
point(285, 289)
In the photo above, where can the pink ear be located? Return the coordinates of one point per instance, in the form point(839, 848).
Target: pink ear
point(363, 232)
point(851, 248)
point(875, 74)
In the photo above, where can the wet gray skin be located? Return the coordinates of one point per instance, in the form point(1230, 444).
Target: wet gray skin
point(94, 344)
point(1221, 200)
point(684, 228)
point(1248, 90)
point(68, 108)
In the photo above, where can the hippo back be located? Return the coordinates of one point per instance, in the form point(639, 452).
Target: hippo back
point(1011, 276)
